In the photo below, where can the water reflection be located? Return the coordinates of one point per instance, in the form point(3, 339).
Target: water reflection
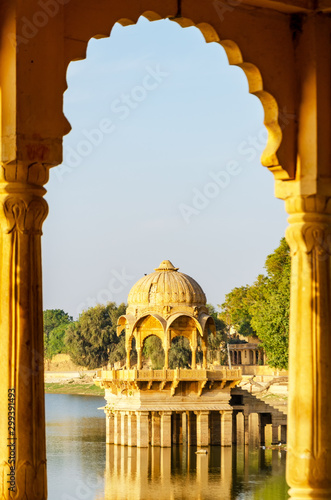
point(162, 473)
point(82, 467)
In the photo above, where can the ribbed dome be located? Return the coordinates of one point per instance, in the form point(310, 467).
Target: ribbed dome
point(166, 286)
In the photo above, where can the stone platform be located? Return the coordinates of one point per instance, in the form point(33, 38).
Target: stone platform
point(160, 407)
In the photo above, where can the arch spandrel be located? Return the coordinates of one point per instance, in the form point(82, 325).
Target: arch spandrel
point(266, 62)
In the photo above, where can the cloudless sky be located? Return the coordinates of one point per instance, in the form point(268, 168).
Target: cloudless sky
point(163, 162)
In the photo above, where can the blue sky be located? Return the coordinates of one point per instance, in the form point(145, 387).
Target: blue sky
point(163, 162)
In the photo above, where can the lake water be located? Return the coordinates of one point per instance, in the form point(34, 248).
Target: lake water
point(82, 467)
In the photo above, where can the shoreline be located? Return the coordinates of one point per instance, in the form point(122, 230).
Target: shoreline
point(74, 388)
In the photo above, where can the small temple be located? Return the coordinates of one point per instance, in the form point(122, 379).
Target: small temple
point(181, 405)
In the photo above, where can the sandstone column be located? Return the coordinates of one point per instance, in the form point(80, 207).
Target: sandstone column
point(274, 433)
point(226, 428)
point(109, 427)
point(309, 436)
point(156, 435)
point(142, 429)
point(117, 427)
point(166, 429)
point(202, 428)
point(132, 429)
point(139, 360)
point(22, 212)
point(246, 429)
point(124, 428)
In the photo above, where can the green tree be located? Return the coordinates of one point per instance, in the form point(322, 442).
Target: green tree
point(56, 322)
point(92, 339)
point(270, 314)
point(236, 310)
point(153, 350)
point(180, 354)
point(263, 308)
point(217, 343)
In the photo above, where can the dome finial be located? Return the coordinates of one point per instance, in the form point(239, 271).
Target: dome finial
point(166, 265)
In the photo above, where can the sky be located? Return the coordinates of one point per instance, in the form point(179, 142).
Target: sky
point(162, 162)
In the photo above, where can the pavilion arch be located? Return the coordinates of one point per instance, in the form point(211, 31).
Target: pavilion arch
point(253, 75)
point(174, 324)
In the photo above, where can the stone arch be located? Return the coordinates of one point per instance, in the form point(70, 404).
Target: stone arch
point(253, 75)
point(171, 323)
point(149, 324)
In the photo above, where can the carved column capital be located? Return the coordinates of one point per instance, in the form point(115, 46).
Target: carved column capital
point(310, 225)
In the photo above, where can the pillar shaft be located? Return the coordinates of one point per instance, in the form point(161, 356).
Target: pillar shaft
point(109, 428)
point(184, 427)
point(117, 427)
point(202, 428)
point(128, 361)
point(246, 429)
point(124, 428)
point(283, 434)
point(166, 429)
point(132, 429)
point(22, 212)
point(139, 358)
point(274, 434)
point(226, 428)
point(142, 429)
point(156, 434)
point(309, 436)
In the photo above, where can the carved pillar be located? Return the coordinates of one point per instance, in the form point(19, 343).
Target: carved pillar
point(226, 428)
point(124, 428)
point(184, 427)
point(142, 429)
point(128, 352)
point(117, 427)
point(274, 433)
point(194, 345)
point(22, 212)
point(246, 429)
point(155, 441)
point(309, 436)
point(165, 429)
point(132, 429)
point(109, 427)
point(139, 360)
point(202, 428)
point(204, 357)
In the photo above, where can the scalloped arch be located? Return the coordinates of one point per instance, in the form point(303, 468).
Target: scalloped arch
point(254, 78)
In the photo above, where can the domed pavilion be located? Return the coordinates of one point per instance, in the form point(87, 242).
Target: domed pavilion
point(160, 407)
point(168, 304)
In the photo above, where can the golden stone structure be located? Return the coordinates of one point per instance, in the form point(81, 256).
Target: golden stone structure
point(283, 47)
point(167, 304)
point(165, 406)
